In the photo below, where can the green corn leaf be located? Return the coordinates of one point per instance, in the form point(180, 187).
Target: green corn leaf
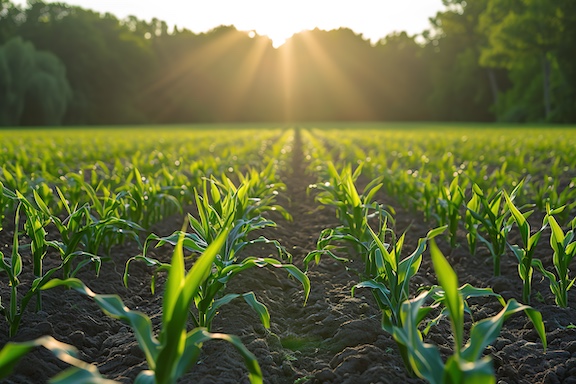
point(79, 375)
point(11, 354)
point(113, 306)
point(382, 247)
point(43, 207)
point(557, 238)
point(199, 336)
point(520, 220)
point(250, 298)
point(372, 191)
point(382, 290)
point(468, 291)
point(159, 267)
point(454, 302)
point(180, 291)
point(435, 232)
point(250, 262)
point(82, 372)
point(352, 193)
point(174, 282)
point(477, 190)
point(424, 358)
point(486, 331)
point(260, 308)
point(458, 370)
point(145, 377)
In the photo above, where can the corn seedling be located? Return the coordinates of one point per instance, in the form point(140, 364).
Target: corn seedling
point(447, 208)
point(34, 225)
point(354, 211)
point(82, 235)
point(210, 296)
point(149, 202)
point(174, 351)
point(564, 247)
point(13, 268)
point(262, 189)
point(491, 214)
point(467, 363)
point(390, 276)
point(224, 206)
point(217, 216)
point(525, 253)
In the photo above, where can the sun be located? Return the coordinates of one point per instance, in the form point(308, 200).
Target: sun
point(278, 33)
point(278, 20)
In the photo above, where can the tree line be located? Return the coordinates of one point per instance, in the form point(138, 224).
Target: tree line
point(481, 60)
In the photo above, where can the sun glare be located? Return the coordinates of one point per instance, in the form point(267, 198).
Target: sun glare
point(276, 30)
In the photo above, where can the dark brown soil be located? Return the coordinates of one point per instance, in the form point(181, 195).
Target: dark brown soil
point(335, 338)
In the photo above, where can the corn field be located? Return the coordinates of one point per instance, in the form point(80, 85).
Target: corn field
point(360, 253)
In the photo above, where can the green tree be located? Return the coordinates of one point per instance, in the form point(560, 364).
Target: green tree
point(33, 85)
point(461, 88)
point(404, 81)
point(8, 17)
point(108, 65)
point(523, 34)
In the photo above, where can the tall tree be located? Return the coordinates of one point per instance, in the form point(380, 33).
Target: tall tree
point(462, 88)
point(33, 85)
point(523, 34)
point(107, 64)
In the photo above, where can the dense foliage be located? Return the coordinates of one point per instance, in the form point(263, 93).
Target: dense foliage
point(479, 61)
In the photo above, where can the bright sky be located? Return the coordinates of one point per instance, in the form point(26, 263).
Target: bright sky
point(278, 19)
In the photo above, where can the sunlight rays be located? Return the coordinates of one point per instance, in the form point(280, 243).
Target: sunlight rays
point(210, 55)
point(308, 78)
point(306, 67)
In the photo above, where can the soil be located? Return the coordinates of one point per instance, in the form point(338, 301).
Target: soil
point(335, 338)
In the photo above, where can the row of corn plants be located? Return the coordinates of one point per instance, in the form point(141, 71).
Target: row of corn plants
point(228, 209)
point(483, 183)
point(227, 214)
point(84, 234)
point(387, 274)
point(158, 168)
point(418, 162)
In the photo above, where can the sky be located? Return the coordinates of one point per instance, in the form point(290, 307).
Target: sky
point(278, 19)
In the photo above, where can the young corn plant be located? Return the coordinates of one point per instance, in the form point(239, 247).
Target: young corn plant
point(351, 207)
point(471, 224)
point(13, 267)
point(262, 190)
point(175, 350)
point(34, 227)
point(216, 215)
point(390, 276)
point(447, 208)
point(564, 247)
point(149, 201)
point(83, 235)
point(525, 253)
point(467, 363)
point(493, 222)
point(354, 210)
